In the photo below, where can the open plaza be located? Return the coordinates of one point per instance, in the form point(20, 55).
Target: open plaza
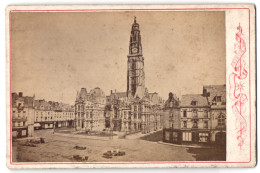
point(59, 146)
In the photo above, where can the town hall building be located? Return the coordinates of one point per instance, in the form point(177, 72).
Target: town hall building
point(131, 111)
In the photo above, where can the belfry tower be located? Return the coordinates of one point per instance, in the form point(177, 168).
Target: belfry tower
point(135, 64)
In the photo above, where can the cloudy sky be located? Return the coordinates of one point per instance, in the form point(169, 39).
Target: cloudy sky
point(55, 54)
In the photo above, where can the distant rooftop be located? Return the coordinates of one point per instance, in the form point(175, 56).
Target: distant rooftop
point(194, 99)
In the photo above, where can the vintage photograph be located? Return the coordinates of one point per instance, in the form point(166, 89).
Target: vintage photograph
point(118, 86)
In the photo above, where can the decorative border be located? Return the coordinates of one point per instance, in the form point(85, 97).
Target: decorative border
point(236, 82)
point(239, 104)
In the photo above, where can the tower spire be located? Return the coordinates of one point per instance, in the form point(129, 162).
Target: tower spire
point(135, 70)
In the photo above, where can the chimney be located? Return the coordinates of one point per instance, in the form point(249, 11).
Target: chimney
point(204, 92)
point(115, 90)
point(83, 90)
point(20, 94)
point(170, 96)
point(13, 95)
point(111, 92)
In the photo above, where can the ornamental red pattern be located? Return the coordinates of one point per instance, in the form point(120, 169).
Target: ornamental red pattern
point(236, 90)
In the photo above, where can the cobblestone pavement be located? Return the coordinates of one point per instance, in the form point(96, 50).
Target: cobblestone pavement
point(59, 148)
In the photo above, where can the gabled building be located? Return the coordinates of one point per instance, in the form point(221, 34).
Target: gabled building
point(171, 119)
point(22, 115)
point(196, 118)
point(216, 95)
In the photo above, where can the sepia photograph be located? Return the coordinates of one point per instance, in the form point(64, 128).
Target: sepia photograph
point(123, 86)
point(118, 86)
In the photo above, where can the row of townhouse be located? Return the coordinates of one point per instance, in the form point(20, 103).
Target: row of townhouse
point(50, 114)
point(197, 118)
point(28, 114)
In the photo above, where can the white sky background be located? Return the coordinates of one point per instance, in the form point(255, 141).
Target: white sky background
point(55, 54)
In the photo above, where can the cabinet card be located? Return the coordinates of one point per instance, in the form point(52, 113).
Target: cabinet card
point(131, 86)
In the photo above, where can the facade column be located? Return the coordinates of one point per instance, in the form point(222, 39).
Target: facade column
point(127, 128)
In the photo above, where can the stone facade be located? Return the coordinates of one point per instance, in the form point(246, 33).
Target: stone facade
point(134, 114)
point(195, 116)
point(171, 119)
point(200, 118)
point(217, 99)
point(135, 65)
point(90, 110)
point(136, 109)
point(131, 111)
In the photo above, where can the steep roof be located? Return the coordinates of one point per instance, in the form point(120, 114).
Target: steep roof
point(155, 98)
point(27, 101)
point(66, 107)
point(97, 92)
point(172, 101)
point(82, 95)
point(215, 90)
point(200, 100)
point(118, 94)
point(51, 105)
point(43, 105)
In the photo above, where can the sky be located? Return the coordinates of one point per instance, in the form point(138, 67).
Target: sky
point(54, 54)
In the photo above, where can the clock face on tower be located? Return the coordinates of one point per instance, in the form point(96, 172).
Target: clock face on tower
point(134, 50)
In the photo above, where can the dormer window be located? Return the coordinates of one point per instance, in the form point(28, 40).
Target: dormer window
point(218, 98)
point(19, 105)
point(194, 103)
